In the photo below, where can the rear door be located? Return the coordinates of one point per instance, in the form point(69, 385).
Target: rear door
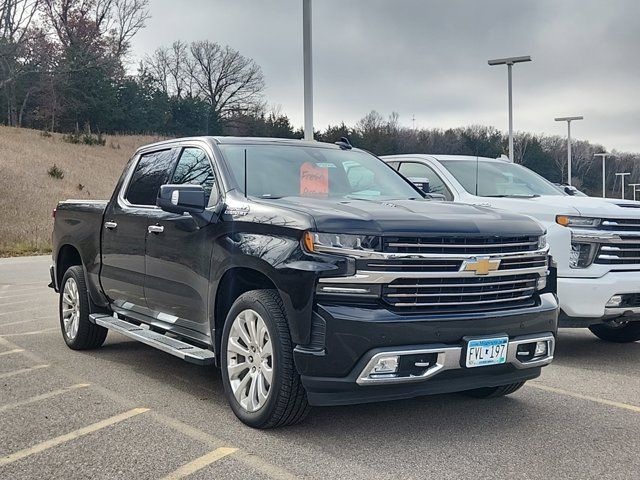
point(125, 229)
point(179, 252)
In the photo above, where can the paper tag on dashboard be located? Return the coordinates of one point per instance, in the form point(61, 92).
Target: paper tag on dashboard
point(314, 180)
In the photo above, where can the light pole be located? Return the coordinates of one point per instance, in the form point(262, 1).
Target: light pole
point(634, 185)
point(622, 175)
point(568, 120)
point(604, 177)
point(308, 69)
point(509, 63)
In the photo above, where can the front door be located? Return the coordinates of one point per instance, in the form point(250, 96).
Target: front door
point(179, 252)
point(124, 231)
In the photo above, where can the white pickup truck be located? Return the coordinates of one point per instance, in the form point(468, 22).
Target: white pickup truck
point(595, 243)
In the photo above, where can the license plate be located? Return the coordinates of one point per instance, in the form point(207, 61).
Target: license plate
point(487, 351)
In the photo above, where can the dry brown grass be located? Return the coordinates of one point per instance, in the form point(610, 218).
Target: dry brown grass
point(28, 194)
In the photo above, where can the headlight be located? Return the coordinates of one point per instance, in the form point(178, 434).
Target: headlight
point(339, 243)
point(582, 254)
point(584, 222)
point(542, 242)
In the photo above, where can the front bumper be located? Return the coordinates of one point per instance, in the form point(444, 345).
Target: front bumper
point(354, 335)
point(585, 298)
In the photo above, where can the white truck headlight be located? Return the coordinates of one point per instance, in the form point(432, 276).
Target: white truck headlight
point(579, 222)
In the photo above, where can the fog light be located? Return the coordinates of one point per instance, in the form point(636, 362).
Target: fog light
point(614, 301)
point(386, 365)
point(541, 349)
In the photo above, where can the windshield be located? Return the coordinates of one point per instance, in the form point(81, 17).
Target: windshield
point(276, 171)
point(499, 179)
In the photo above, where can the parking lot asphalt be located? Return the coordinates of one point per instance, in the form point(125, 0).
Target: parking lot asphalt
point(130, 411)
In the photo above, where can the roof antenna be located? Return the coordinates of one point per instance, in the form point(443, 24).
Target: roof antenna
point(245, 173)
point(344, 143)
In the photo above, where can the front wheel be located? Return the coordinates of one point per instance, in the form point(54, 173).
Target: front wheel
point(260, 379)
point(74, 308)
point(494, 392)
point(618, 332)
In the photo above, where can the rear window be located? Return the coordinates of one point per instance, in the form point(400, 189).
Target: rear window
point(152, 170)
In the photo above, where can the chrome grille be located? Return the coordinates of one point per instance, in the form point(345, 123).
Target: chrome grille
point(621, 253)
point(450, 295)
point(624, 246)
point(445, 265)
point(469, 245)
point(621, 225)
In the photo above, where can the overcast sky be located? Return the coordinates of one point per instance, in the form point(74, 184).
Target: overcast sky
point(429, 59)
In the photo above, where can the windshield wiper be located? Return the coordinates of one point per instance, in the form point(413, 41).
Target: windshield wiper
point(534, 195)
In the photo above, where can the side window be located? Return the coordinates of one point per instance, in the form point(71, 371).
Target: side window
point(152, 170)
point(436, 185)
point(393, 165)
point(194, 168)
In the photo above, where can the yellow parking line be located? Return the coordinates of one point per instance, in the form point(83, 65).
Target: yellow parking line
point(47, 444)
point(22, 370)
point(602, 401)
point(44, 396)
point(200, 463)
point(9, 352)
point(37, 332)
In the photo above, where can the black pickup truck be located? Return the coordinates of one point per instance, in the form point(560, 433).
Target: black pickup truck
point(311, 273)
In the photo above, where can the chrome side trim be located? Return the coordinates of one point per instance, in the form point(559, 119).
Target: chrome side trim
point(547, 359)
point(368, 276)
point(450, 358)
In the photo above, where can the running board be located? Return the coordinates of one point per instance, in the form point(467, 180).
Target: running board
point(180, 349)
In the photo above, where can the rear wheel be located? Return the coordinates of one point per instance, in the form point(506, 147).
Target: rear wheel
point(618, 332)
point(74, 309)
point(494, 392)
point(260, 380)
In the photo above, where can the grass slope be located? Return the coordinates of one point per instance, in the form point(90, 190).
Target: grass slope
point(28, 194)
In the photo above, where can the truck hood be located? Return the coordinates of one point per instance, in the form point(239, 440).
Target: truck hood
point(409, 217)
point(567, 205)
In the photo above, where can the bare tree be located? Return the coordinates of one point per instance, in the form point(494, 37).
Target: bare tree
point(110, 23)
point(170, 70)
point(229, 82)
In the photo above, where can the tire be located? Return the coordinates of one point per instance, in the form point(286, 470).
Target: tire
point(77, 330)
point(495, 392)
point(624, 333)
point(255, 402)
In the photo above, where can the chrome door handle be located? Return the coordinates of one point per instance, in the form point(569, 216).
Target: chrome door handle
point(110, 225)
point(155, 229)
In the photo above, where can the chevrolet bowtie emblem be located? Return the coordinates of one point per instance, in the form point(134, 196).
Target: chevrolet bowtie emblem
point(480, 266)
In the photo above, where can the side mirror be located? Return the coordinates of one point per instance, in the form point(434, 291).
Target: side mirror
point(422, 183)
point(182, 198)
point(569, 190)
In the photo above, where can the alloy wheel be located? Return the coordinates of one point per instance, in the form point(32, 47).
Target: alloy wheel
point(70, 308)
point(250, 360)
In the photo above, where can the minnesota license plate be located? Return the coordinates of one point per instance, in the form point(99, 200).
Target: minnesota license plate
point(487, 351)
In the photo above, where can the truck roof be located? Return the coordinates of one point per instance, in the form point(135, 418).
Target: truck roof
point(444, 157)
point(223, 140)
